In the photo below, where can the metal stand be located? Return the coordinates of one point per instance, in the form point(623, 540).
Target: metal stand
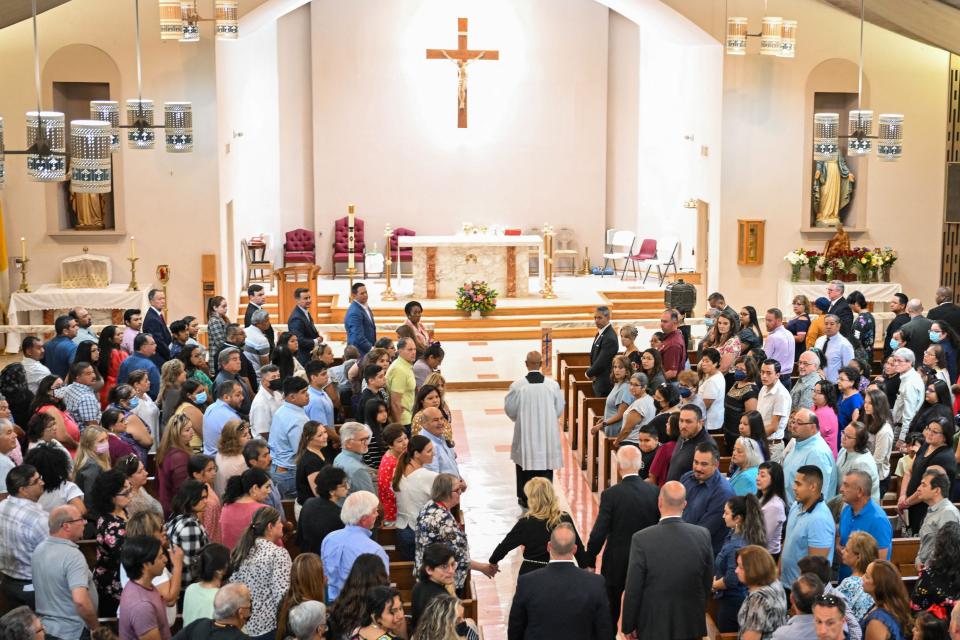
point(133, 275)
point(388, 295)
point(22, 265)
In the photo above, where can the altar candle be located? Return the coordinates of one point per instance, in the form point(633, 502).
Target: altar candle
point(350, 237)
point(23, 249)
point(133, 247)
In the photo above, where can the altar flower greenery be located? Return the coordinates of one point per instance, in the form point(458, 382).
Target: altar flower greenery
point(477, 296)
point(870, 265)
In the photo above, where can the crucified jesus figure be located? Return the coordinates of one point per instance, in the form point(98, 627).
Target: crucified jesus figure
point(462, 76)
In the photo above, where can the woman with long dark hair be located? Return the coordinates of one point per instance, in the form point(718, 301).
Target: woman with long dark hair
point(751, 426)
point(89, 352)
point(939, 581)
point(376, 415)
point(193, 363)
point(668, 442)
point(245, 495)
point(773, 503)
point(53, 465)
point(750, 335)
point(261, 563)
point(937, 449)
point(285, 356)
point(742, 514)
point(46, 401)
point(111, 357)
point(879, 421)
point(16, 392)
point(429, 396)
point(889, 619)
point(307, 583)
point(937, 403)
point(348, 611)
point(741, 397)
point(111, 495)
point(184, 528)
point(217, 321)
point(825, 408)
point(412, 483)
point(311, 457)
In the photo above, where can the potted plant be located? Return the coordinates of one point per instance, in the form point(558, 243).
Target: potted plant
point(477, 297)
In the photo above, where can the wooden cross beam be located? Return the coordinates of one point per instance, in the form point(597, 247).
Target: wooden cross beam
point(463, 56)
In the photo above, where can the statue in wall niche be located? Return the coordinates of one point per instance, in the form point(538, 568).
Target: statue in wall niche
point(87, 209)
point(833, 186)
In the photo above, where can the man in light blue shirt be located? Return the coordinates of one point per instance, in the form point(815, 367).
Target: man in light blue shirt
point(285, 430)
point(835, 349)
point(144, 347)
point(341, 548)
point(810, 527)
point(444, 457)
point(355, 441)
point(229, 399)
point(320, 407)
point(810, 449)
point(861, 513)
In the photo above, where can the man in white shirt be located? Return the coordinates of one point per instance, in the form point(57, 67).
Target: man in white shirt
point(32, 348)
point(911, 393)
point(836, 351)
point(267, 400)
point(773, 403)
point(712, 389)
point(256, 345)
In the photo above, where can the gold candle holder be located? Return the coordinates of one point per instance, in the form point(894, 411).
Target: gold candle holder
point(388, 295)
point(133, 275)
point(548, 264)
point(585, 269)
point(22, 265)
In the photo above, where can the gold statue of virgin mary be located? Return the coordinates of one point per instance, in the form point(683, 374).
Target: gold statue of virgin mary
point(833, 186)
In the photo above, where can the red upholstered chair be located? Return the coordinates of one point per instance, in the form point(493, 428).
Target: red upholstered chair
point(406, 253)
point(299, 246)
point(340, 252)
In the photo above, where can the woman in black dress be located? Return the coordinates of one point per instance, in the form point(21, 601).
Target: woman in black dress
point(940, 579)
point(935, 450)
point(741, 397)
point(313, 454)
point(533, 530)
point(750, 335)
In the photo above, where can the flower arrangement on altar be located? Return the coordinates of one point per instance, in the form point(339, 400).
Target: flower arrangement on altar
point(869, 265)
point(477, 296)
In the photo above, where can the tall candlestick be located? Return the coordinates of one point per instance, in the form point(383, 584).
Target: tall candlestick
point(133, 247)
point(350, 238)
point(23, 248)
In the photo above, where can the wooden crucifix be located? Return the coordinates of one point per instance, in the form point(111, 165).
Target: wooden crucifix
point(463, 56)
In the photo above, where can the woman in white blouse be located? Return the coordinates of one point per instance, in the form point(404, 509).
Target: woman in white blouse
point(877, 415)
point(412, 484)
point(773, 504)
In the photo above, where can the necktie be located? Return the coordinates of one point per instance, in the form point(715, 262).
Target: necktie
point(825, 343)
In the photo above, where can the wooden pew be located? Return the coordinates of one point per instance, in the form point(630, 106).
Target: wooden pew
point(724, 463)
point(585, 404)
point(606, 461)
point(571, 359)
point(595, 449)
point(904, 555)
point(578, 389)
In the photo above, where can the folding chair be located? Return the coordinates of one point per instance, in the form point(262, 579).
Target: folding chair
point(620, 238)
point(663, 268)
point(645, 256)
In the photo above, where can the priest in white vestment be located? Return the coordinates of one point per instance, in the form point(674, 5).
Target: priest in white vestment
point(535, 405)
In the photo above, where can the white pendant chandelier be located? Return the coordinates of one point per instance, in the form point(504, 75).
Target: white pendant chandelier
point(180, 21)
point(826, 126)
point(778, 36)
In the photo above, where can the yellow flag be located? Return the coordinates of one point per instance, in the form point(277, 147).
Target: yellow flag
point(4, 269)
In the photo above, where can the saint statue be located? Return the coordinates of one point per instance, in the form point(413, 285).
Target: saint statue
point(833, 185)
point(88, 209)
point(838, 245)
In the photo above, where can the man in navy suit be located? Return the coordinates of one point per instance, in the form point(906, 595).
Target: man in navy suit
point(300, 323)
point(561, 600)
point(156, 325)
point(361, 328)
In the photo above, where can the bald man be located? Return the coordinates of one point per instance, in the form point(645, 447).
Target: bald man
point(444, 457)
point(669, 576)
point(535, 405)
point(916, 333)
point(945, 308)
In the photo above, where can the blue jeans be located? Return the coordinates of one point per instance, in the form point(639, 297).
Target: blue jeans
point(406, 543)
point(286, 480)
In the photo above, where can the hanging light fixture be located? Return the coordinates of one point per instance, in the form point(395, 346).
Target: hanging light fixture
point(190, 29)
point(89, 156)
point(860, 124)
point(179, 20)
point(171, 20)
point(108, 111)
point(778, 37)
point(178, 126)
point(227, 26)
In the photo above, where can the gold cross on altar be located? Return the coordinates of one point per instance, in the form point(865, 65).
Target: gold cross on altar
point(462, 56)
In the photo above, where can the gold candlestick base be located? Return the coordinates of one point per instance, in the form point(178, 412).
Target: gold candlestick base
point(585, 269)
point(388, 295)
point(22, 265)
point(133, 275)
point(351, 271)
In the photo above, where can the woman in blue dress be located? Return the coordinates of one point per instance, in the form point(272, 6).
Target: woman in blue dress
point(889, 618)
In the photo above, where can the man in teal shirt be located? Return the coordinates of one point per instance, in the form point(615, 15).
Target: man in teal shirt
point(285, 430)
point(810, 449)
point(810, 527)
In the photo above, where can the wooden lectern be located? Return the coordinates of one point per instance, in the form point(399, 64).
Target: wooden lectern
point(289, 279)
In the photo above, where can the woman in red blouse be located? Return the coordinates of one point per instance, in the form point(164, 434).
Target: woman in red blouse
point(395, 439)
point(173, 458)
point(111, 356)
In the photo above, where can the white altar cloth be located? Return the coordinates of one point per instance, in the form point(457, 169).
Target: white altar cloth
point(877, 292)
point(51, 296)
point(483, 240)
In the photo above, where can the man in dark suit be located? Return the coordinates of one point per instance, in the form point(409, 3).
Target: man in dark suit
point(300, 323)
point(156, 325)
point(560, 600)
point(946, 310)
point(625, 508)
point(669, 576)
point(604, 347)
point(898, 305)
point(916, 332)
point(359, 322)
point(840, 307)
point(256, 296)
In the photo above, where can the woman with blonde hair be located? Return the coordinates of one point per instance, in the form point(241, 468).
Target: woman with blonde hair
point(306, 583)
point(857, 554)
point(172, 375)
point(93, 458)
point(533, 529)
point(443, 620)
point(437, 380)
point(173, 458)
point(229, 459)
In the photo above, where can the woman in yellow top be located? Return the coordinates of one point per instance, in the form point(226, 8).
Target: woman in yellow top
point(816, 325)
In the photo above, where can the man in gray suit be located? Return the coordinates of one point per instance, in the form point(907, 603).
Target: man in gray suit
point(669, 576)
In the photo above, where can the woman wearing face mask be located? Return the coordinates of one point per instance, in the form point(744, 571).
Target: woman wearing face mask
point(193, 399)
point(944, 336)
point(124, 399)
point(799, 324)
point(687, 382)
point(740, 398)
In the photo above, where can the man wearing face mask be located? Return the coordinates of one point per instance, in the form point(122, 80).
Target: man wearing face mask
point(267, 400)
point(898, 305)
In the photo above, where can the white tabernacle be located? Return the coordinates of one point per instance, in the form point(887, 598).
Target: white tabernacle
point(441, 264)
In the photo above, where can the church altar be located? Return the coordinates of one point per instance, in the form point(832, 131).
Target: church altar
point(876, 292)
point(441, 264)
point(48, 297)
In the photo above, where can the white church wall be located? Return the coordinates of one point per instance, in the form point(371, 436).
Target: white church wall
point(169, 201)
point(766, 145)
point(385, 135)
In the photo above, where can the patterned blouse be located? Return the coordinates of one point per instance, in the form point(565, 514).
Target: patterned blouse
point(858, 600)
point(211, 515)
point(216, 337)
point(436, 524)
point(266, 566)
point(763, 610)
point(187, 533)
point(933, 587)
point(111, 533)
point(388, 464)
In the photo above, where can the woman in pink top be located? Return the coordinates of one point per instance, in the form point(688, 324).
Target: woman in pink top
point(44, 401)
point(245, 494)
point(825, 408)
point(203, 469)
point(111, 357)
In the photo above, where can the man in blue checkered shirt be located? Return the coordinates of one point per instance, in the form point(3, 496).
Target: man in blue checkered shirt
point(79, 396)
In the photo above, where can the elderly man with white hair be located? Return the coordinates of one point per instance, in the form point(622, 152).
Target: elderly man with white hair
point(355, 440)
point(911, 393)
point(231, 610)
point(308, 620)
point(341, 548)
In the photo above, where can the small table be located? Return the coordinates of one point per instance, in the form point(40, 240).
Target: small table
point(48, 297)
